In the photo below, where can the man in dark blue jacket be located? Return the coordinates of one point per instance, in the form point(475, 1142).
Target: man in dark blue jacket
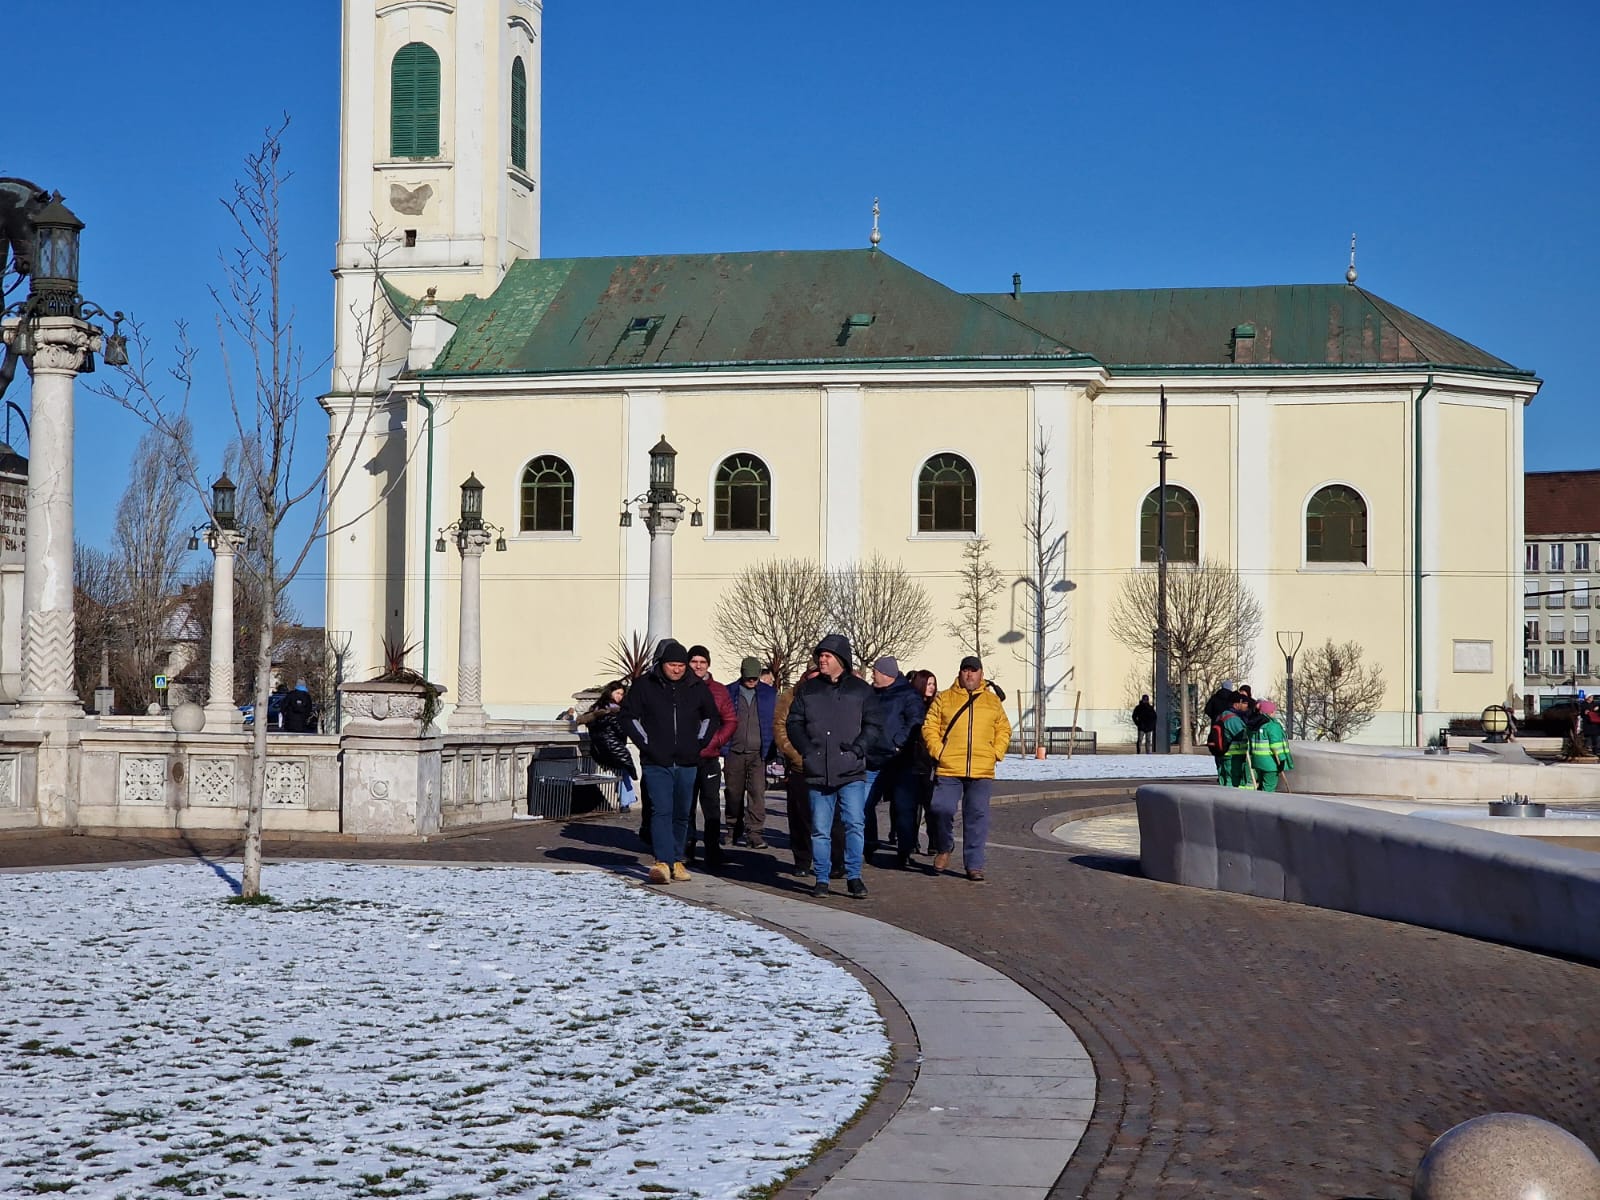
point(670, 714)
point(745, 754)
point(890, 774)
point(832, 723)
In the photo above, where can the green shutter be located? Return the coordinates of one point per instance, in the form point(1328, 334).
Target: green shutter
point(519, 115)
point(414, 102)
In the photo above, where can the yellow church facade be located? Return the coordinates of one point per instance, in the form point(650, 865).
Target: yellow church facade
point(1358, 467)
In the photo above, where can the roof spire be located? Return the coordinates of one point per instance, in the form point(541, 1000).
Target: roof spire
point(877, 236)
point(1350, 272)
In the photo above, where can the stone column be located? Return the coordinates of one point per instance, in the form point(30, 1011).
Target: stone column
point(469, 712)
point(662, 521)
point(222, 715)
point(48, 632)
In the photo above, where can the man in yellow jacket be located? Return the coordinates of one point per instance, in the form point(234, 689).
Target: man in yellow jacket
point(966, 733)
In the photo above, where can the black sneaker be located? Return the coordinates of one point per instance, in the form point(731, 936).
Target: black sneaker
point(836, 873)
point(819, 889)
point(858, 890)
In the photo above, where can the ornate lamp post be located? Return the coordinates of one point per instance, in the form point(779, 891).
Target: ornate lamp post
point(472, 535)
point(1289, 641)
point(661, 508)
point(223, 537)
point(50, 331)
point(1163, 635)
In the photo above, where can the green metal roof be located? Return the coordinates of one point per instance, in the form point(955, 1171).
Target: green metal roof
point(771, 309)
point(1303, 325)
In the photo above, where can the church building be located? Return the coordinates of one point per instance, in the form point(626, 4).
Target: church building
point(1358, 466)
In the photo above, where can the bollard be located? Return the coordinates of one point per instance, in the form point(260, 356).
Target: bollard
point(1507, 1156)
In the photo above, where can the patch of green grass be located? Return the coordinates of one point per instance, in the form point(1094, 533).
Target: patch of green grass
point(259, 898)
point(302, 1041)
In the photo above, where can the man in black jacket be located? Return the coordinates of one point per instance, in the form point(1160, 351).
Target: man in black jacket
point(670, 714)
point(832, 723)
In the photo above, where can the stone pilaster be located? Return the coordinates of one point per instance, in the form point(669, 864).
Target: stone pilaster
point(221, 712)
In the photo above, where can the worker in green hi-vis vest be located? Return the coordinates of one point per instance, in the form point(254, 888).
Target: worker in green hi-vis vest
point(1269, 748)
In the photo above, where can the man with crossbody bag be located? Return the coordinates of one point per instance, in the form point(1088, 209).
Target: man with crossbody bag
point(966, 733)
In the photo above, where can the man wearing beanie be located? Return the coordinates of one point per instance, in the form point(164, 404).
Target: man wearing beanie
point(670, 715)
point(744, 767)
point(966, 733)
point(708, 783)
point(889, 771)
point(832, 722)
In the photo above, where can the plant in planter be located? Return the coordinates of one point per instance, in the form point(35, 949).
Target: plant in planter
point(395, 652)
point(397, 702)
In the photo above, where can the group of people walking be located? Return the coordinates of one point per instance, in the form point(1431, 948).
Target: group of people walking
point(1246, 739)
point(846, 746)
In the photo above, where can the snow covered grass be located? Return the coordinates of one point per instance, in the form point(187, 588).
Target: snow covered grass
point(1108, 766)
point(441, 1032)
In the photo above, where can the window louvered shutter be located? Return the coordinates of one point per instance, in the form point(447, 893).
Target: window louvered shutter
point(414, 102)
point(519, 115)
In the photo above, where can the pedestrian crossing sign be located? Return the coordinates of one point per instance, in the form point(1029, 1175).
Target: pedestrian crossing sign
point(160, 683)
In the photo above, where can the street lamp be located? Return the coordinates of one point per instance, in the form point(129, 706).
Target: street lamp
point(1289, 641)
point(472, 535)
point(1163, 635)
point(1496, 721)
point(661, 508)
point(223, 511)
point(222, 535)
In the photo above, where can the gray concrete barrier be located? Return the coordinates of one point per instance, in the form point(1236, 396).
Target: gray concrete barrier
point(1317, 851)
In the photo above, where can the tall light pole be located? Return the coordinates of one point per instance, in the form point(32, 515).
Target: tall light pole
point(1289, 641)
point(472, 535)
point(661, 508)
point(1163, 634)
point(223, 537)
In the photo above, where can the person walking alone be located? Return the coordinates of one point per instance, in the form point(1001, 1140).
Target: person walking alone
point(670, 715)
point(744, 767)
point(833, 721)
point(966, 733)
point(1144, 724)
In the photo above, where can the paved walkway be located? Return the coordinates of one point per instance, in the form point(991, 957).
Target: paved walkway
point(1243, 1048)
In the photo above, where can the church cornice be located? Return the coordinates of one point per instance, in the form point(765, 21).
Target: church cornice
point(443, 6)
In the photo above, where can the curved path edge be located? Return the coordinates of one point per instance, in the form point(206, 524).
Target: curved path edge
point(1003, 1088)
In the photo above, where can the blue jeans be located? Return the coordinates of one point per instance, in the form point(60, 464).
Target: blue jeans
point(671, 793)
point(625, 792)
point(851, 802)
point(900, 783)
point(973, 797)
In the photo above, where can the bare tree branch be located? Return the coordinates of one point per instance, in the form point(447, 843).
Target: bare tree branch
point(879, 608)
point(775, 610)
point(980, 582)
point(1336, 694)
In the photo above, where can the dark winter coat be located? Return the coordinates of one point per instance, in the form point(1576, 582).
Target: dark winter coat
point(902, 711)
point(1144, 717)
point(766, 709)
point(1221, 701)
point(297, 711)
point(670, 722)
point(726, 722)
point(608, 741)
point(834, 723)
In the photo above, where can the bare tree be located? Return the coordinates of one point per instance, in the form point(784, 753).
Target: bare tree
point(97, 604)
point(149, 539)
point(775, 610)
point(979, 583)
point(1045, 580)
point(1213, 618)
point(270, 389)
point(879, 608)
point(1336, 695)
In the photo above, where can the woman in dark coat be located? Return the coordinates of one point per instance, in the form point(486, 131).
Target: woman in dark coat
point(608, 743)
point(926, 686)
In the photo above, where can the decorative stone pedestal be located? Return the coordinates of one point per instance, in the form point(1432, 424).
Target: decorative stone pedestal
point(390, 774)
point(1507, 1156)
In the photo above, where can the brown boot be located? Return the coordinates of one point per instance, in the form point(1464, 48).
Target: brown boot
point(680, 873)
point(660, 873)
point(941, 860)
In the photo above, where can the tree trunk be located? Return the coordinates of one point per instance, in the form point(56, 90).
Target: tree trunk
point(1185, 715)
point(251, 882)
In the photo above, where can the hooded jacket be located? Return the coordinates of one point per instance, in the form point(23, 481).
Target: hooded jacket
point(670, 721)
point(834, 723)
point(902, 711)
point(978, 737)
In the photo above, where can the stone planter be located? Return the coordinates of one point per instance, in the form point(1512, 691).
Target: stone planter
point(378, 709)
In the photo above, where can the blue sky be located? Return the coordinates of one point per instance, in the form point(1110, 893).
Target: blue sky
point(1086, 146)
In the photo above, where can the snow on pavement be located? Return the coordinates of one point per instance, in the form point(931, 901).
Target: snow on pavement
point(392, 1031)
point(1108, 766)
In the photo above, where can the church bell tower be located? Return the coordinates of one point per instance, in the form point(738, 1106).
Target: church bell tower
point(439, 147)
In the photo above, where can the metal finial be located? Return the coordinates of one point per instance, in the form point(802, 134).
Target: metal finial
point(1350, 274)
point(877, 235)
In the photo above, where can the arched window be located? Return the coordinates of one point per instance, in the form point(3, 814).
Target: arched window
point(1336, 526)
point(743, 497)
point(414, 102)
point(947, 496)
point(546, 496)
point(519, 114)
point(1183, 526)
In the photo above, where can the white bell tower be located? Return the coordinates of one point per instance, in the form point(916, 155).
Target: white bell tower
point(438, 189)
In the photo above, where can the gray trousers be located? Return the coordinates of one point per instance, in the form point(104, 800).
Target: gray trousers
point(746, 778)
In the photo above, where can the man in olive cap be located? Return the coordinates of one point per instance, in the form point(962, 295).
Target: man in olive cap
point(744, 757)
